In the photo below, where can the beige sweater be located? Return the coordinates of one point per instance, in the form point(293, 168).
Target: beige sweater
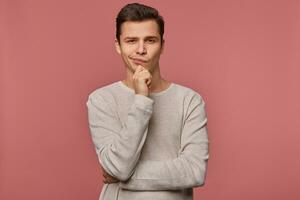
point(157, 146)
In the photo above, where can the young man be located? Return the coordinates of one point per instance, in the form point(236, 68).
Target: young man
point(150, 134)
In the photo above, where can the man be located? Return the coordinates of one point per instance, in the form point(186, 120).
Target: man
point(150, 134)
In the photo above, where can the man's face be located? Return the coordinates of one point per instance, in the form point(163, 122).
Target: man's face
point(140, 44)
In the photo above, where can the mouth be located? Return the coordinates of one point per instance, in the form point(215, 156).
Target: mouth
point(138, 61)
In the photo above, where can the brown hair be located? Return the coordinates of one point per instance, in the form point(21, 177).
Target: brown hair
point(138, 12)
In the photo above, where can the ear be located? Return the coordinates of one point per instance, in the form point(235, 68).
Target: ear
point(117, 45)
point(162, 47)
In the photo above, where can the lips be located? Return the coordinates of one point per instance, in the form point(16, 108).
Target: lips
point(138, 60)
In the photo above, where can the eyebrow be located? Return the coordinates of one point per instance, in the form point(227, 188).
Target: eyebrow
point(147, 37)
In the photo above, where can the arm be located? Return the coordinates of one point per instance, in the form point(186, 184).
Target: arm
point(118, 147)
point(189, 168)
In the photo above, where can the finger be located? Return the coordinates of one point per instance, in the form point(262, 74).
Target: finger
point(148, 79)
point(110, 180)
point(107, 180)
point(114, 181)
point(137, 71)
point(104, 174)
point(145, 74)
point(142, 68)
point(109, 177)
point(148, 82)
point(139, 68)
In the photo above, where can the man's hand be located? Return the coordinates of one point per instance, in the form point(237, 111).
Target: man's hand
point(108, 178)
point(142, 80)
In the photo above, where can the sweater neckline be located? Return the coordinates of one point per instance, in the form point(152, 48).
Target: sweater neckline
point(151, 94)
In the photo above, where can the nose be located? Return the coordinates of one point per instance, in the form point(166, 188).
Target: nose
point(141, 49)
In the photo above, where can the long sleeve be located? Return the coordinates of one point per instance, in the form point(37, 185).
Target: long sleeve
point(118, 146)
point(189, 168)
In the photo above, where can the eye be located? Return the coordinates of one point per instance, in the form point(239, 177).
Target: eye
point(130, 41)
point(151, 40)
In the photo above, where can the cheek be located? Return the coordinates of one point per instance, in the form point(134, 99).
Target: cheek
point(127, 50)
point(155, 54)
point(126, 53)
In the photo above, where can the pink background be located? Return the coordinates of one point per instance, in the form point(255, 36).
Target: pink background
point(243, 57)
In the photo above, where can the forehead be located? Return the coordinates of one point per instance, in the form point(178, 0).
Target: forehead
point(139, 28)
